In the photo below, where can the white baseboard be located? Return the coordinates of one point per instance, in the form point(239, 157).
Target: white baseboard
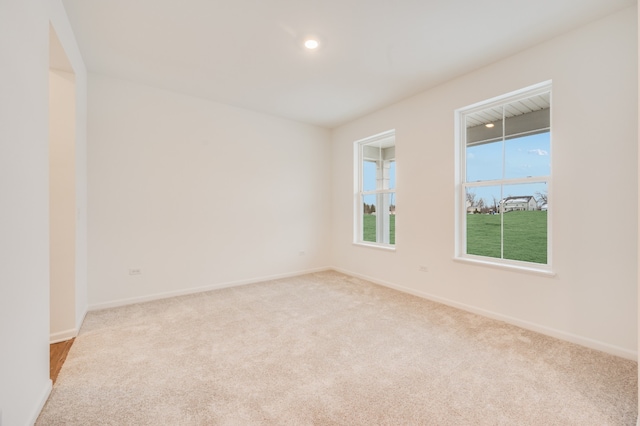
point(158, 296)
point(43, 400)
point(65, 335)
point(62, 336)
point(558, 334)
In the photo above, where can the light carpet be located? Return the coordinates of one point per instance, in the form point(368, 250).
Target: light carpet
point(328, 349)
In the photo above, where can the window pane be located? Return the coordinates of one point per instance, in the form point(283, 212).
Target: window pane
point(368, 176)
point(528, 156)
point(379, 216)
point(391, 172)
point(392, 227)
point(484, 162)
point(369, 218)
point(483, 223)
point(373, 179)
point(527, 116)
point(525, 222)
point(387, 218)
point(484, 145)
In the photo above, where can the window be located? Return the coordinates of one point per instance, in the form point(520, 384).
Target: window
point(375, 195)
point(504, 177)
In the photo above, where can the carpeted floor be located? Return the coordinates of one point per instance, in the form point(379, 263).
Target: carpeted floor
point(328, 349)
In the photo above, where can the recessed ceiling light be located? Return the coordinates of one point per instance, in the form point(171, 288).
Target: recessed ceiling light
point(489, 125)
point(311, 44)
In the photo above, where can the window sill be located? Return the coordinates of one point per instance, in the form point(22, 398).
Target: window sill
point(507, 266)
point(376, 246)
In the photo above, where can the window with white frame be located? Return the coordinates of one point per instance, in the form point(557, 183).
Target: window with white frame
point(504, 178)
point(375, 194)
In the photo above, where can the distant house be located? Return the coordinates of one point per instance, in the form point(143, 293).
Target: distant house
point(518, 203)
point(471, 209)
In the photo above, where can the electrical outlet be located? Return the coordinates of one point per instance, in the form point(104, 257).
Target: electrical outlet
point(301, 252)
point(423, 268)
point(135, 271)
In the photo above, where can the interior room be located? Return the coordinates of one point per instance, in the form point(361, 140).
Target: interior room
point(156, 152)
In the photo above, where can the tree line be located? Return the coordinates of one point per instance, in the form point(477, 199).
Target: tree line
point(371, 208)
point(493, 205)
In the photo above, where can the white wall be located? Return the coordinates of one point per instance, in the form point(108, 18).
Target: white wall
point(24, 246)
point(198, 194)
point(62, 204)
point(24, 190)
point(592, 299)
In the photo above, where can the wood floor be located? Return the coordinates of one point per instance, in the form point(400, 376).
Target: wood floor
point(57, 354)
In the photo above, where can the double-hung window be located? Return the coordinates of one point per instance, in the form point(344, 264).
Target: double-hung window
point(503, 179)
point(375, 192)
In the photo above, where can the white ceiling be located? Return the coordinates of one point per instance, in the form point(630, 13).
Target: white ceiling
point(247, 53)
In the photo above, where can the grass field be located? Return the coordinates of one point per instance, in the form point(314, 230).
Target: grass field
point(369, 228)
point(525, 235)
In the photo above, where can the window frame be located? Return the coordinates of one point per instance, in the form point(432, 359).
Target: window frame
point(360, 193)
point(461, 185)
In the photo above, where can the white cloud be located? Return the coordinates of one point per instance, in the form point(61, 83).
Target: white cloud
point(538, 151)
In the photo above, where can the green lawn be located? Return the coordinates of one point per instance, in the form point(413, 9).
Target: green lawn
point(525, 235)
point(369, 228)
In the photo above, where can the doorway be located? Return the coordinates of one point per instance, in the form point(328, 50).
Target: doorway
point(62, 192)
